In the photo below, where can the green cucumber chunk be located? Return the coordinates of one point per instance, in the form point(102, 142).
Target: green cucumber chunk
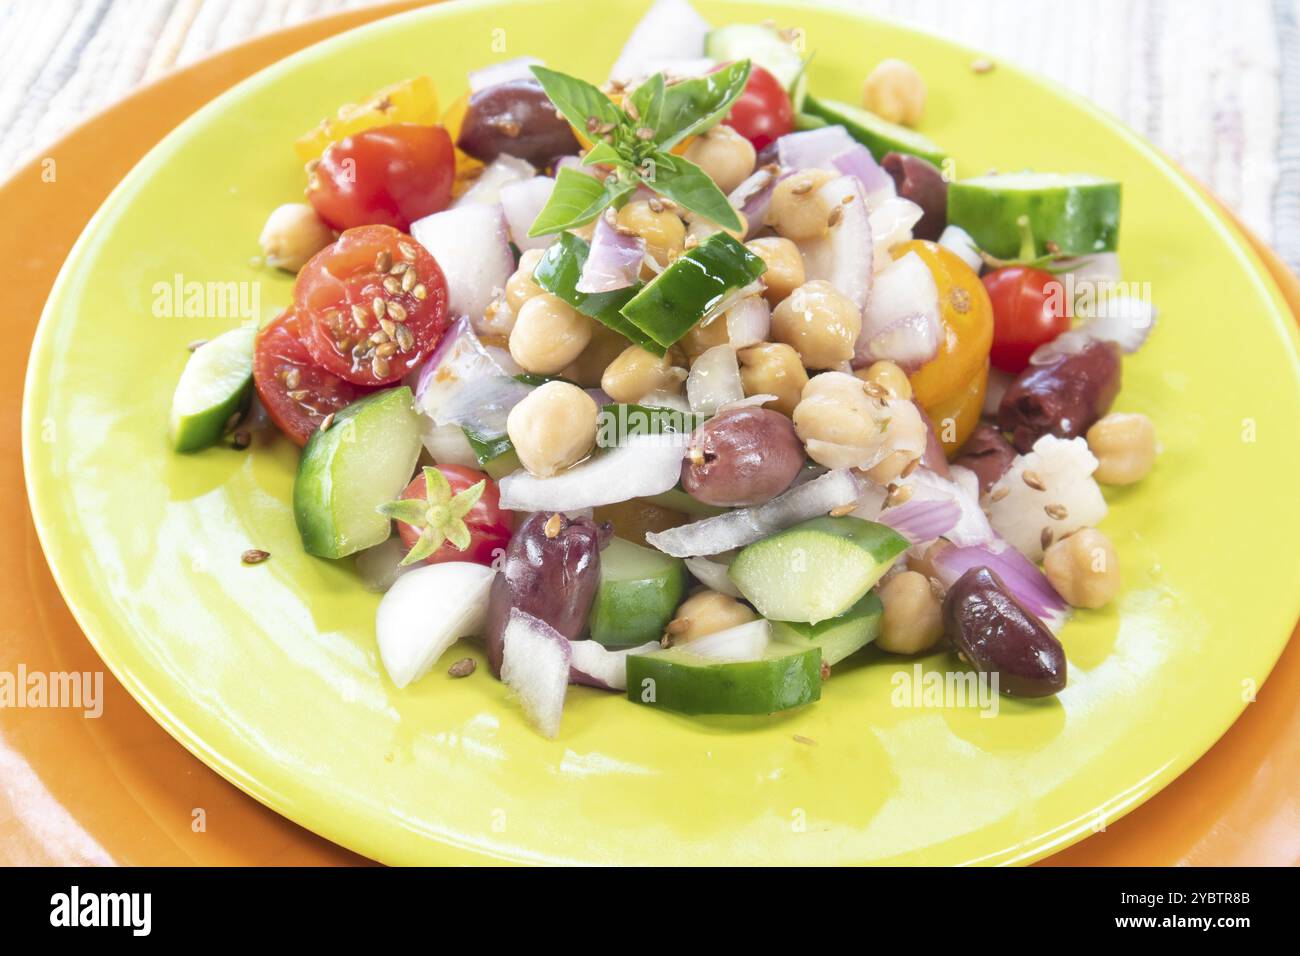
point(217, 382)
point(678, 680)
point(638, 592)
point(877, 134)
point(817, 569)
point(618, 422)
point(806, 121)
point(558, 273)
point(696, 283)
point(1077, 213)
point(764, 46)
point(362, 461)
point(838, 637)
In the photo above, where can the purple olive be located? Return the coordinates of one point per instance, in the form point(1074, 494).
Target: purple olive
point(987, 453)
point(1063, 398)
point(920, 181)
point(518, 119)
point(742, 457)
point(550, 570)
point(994, 632)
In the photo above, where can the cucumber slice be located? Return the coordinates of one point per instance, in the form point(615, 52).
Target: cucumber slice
point(806, 121)
point(638, 592)
point(558, 274)
point(764, 46)
point(217, 383)
point(362, 461)
point(678, 680)
point(619, 421)
point(817, 569)
point(695, 284)
point(1077, 212)
point(878, 135)
point(838, 637)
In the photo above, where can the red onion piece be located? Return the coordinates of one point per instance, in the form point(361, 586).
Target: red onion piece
point(919, 520)
point(641, 467)
point(614, 261)
point(814, 148)
point(858, 162)
point(753, 196)
point(901, 321)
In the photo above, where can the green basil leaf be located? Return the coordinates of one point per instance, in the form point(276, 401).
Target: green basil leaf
point(691, 187)
point(576, 200)
point(647, 100)
point(577, 99)
point(694, 105)
point(603, 153)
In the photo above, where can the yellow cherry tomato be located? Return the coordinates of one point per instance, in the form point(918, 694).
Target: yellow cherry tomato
point(966, 316)
point(410, 101)
point(467, 167)
point(956, 416)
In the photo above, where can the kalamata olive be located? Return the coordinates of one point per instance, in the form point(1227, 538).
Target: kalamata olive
point(742, 457)
point(987, 453)
point(550, 570)
point(518, 119)
point(995, 633)
point(1062, 398)
point(921, 181)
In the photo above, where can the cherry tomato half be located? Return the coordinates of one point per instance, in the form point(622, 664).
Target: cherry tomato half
point(490, 526)
point(1028, 310)
point(389, 175)
point(296, 392)
point(373, 305)
point(762, 113)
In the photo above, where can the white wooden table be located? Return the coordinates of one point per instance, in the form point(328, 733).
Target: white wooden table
point(1215, 83)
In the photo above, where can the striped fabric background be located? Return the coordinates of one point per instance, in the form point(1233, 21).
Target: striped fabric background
point(1215, 83)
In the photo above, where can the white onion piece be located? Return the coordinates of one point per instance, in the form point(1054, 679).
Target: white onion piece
point(748, 322)
point(901, 321)
point(959, 241)
point(380, 566)
point(496, 175)
point(972, 527)
point(447, 444)
point(472, 246)
point(521, 202)
point(891, 224)
point(503, 72)
point(613, 262)
point(1123, 319)
point(1096, 267)
point(459, 360)
point(535, 665)
point(744, 642)
point(743, 526)
point(753, 197)
point(483, 404)
point(844, 257)
point(714, 380)
point(670, 30)
point(749, 401)
point(594, 665)
point(999, 382)
point(713, 575)
point(813, 148)
point(665, 399)
point(426, 611)
point(644, 465)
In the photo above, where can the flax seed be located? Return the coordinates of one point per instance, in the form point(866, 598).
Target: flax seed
point(254, 556)
point(383, 261)
point(1045, 538)
point(1033, 481)
point(420, 292)
point(392, 286)
point(463, 667)
point(379, 307)
point(407, 250)
point(553, 525)
point(397, 311)
point(999, 493)
point(1057, 512)
point(408, 280)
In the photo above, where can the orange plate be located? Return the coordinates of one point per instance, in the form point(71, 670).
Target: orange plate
point(119, 790)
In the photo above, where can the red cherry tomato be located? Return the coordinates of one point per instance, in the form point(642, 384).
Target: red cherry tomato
point(488, 523)
point(389, 175)
point(296, 392)
point(1028, 310)
point(763, 112)
point(366, 318)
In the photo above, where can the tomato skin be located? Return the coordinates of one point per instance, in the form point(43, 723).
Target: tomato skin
point(490, 526)
point(763, 112)
point(388, 175)
point(335, 293)
point(1028, 310)
point(278, 352)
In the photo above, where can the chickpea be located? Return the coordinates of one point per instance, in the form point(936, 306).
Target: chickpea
point(797, 210)
point(889, 377)
point(844, 427)
point(704, 335)
point(520, 287)
point(548, 335)
point(663, 232)
point(553, 428)
point(912, 622)
point(725, 155)
point(895, 91)
point(773, 369)
point(637, 372)
point(588, 368)
point(698, 229)
point(1125, 446)
point(707, 613)
point(1084, 568)
point(785, 271)
point(293, 234)
point(821, 324)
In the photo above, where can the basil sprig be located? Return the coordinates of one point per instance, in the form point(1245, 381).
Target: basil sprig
point(636, 140)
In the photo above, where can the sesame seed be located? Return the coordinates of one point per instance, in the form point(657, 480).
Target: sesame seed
point(553, 525)
point(389, 327)
point(408, 280)
point(379, 365)
point(1033, 481)
point(1045, 539)
point(405, 340)
point(407, 250)
point(842, 510)
point(326, 422)
point(254, 556)
point(836, 215)
point(801, 188)
point(386, 350)
point(898, 494)
point(392, 286)
point(397, 311)
point(911, 467)
point(383, 261)
point(999, 493)
point(1057, 512)
point(420, 292)
point(379, 307)
point(360, 317)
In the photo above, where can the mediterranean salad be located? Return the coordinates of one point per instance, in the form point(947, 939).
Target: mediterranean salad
point(692, 383)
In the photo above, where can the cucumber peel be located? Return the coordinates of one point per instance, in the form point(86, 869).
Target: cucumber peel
point(838, 637)
point(558, 273)
point(638, 592)
point(1071, 214)
point(764, 46)
point(217, 383)
point(677, 680)
point(877, 134)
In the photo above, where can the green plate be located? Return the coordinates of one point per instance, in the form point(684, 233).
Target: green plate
point(271, 675)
